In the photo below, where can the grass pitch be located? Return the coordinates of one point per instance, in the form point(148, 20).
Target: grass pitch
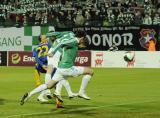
point(115, 93)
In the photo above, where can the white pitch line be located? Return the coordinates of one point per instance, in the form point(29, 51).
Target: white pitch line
point(70, 110)
point(45, 113)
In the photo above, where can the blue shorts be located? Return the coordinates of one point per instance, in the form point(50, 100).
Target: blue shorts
point(40, 69)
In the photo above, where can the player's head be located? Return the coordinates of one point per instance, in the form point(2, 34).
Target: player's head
point(80, 34)
point(43, 39)
point(83, 41)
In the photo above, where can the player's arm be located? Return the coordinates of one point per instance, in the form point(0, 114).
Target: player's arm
point(57, 34)
point(35, 54)
point(65, 41)
point(53, 34)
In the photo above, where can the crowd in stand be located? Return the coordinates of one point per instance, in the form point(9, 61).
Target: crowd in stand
point(68, 13)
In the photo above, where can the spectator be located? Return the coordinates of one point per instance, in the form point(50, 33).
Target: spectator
point(44, 20)
point(88, 18)
point(147, 19)
point(31, 19)
point(138, 18)
point(38, 18)
point(120, 19)
point(25, 20)
point(90, 12)
point(105, 22)
point(156, 19)
point(61, 19)
point(79, 19)
point(53, 20)
point(111, 18)
point(69, 21)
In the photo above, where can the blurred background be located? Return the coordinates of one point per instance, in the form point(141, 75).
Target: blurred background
point(70, 13)
point(111, 25)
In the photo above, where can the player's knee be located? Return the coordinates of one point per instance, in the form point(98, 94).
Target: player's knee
point(89, 71)
point(49, 69)
point(49, 86)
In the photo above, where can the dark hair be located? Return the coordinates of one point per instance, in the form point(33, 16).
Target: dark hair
point(52, 39)
point(80, 34)
point(86, 42)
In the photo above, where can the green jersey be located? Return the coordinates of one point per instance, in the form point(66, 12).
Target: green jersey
point(69, 44)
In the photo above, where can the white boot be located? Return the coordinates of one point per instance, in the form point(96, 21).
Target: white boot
point(41, 99)
point(72, 95)
point(83, 95)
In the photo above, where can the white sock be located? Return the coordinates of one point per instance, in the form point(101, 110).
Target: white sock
point(47, 79)
point(45, 92)
point(42, 94)
point(58, 88)
point(66, 84)
point(38, 89)
point(85, 80)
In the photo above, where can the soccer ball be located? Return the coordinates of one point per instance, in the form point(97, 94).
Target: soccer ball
point(129, 56)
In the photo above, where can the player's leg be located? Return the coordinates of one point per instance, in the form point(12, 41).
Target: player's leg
point(66, 84)
point(37, 77)
point(41, 96)
point(27, 95)
point(38, 70)
point(49, 72)
point(58, 88)
point(76, 71)
point(52, 63)
point(88, 73)
point(44, 93)
point(40, 88)
point(48, 85)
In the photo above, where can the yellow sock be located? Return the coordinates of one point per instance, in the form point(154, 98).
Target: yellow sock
point(37, 77)
point(58, 102)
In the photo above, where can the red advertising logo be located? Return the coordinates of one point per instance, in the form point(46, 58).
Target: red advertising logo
point(99, 59)
point(26, 59)
point(129, 57)
point(130, 64)
point(21, 59)
point(83, 58)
